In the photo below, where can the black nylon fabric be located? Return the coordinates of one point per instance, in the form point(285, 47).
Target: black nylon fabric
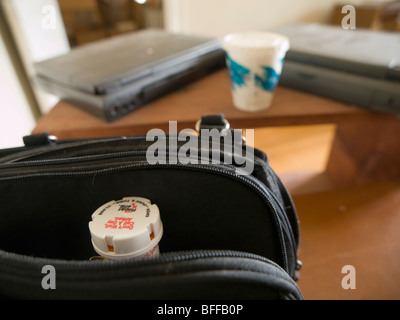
point(199, 278)
point(199, 211)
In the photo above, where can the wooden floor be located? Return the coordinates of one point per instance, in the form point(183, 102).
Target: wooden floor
point(357, 226)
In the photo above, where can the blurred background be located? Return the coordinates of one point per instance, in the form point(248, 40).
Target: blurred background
point(35, 30)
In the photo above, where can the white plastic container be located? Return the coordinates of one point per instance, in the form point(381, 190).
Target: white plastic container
point(127, 228)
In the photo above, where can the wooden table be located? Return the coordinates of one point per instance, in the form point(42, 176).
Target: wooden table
point(366, 147)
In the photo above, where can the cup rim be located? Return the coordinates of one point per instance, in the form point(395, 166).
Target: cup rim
point(274, 40)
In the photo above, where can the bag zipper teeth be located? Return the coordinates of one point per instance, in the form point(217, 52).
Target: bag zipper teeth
point(104, 156)
point(15, 261)
point(202, 254)
point(20, 261)
point(34, 163)
point(286, 197)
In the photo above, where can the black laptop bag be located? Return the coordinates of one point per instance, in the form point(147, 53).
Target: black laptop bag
point(226, 235)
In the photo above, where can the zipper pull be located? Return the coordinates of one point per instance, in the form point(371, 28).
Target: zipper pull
point(209, 122)
point(39, 139)
point(218, 122)
point(299, 264)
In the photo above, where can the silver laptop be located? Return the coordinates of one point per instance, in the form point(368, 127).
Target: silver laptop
point(360, 67)
point(114, 76)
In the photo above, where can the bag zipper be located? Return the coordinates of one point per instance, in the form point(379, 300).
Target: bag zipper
point(14, 260)
point(14, 263)
point(11, 263)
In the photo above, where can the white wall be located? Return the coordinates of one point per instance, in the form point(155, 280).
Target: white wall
point(16, 119)
point(219, 17)
point(36, 41)
point(39, 32)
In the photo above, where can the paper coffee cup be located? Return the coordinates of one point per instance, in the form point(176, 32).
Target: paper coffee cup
point(254, 61)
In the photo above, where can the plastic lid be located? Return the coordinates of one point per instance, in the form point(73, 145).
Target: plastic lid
point(127, 228)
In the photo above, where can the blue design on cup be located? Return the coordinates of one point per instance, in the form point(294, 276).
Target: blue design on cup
point(269, 80)
point(238, 73)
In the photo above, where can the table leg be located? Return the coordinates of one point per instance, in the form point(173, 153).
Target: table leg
point(365, 151)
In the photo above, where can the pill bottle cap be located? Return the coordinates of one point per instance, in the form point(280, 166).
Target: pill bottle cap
point(127, 228)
